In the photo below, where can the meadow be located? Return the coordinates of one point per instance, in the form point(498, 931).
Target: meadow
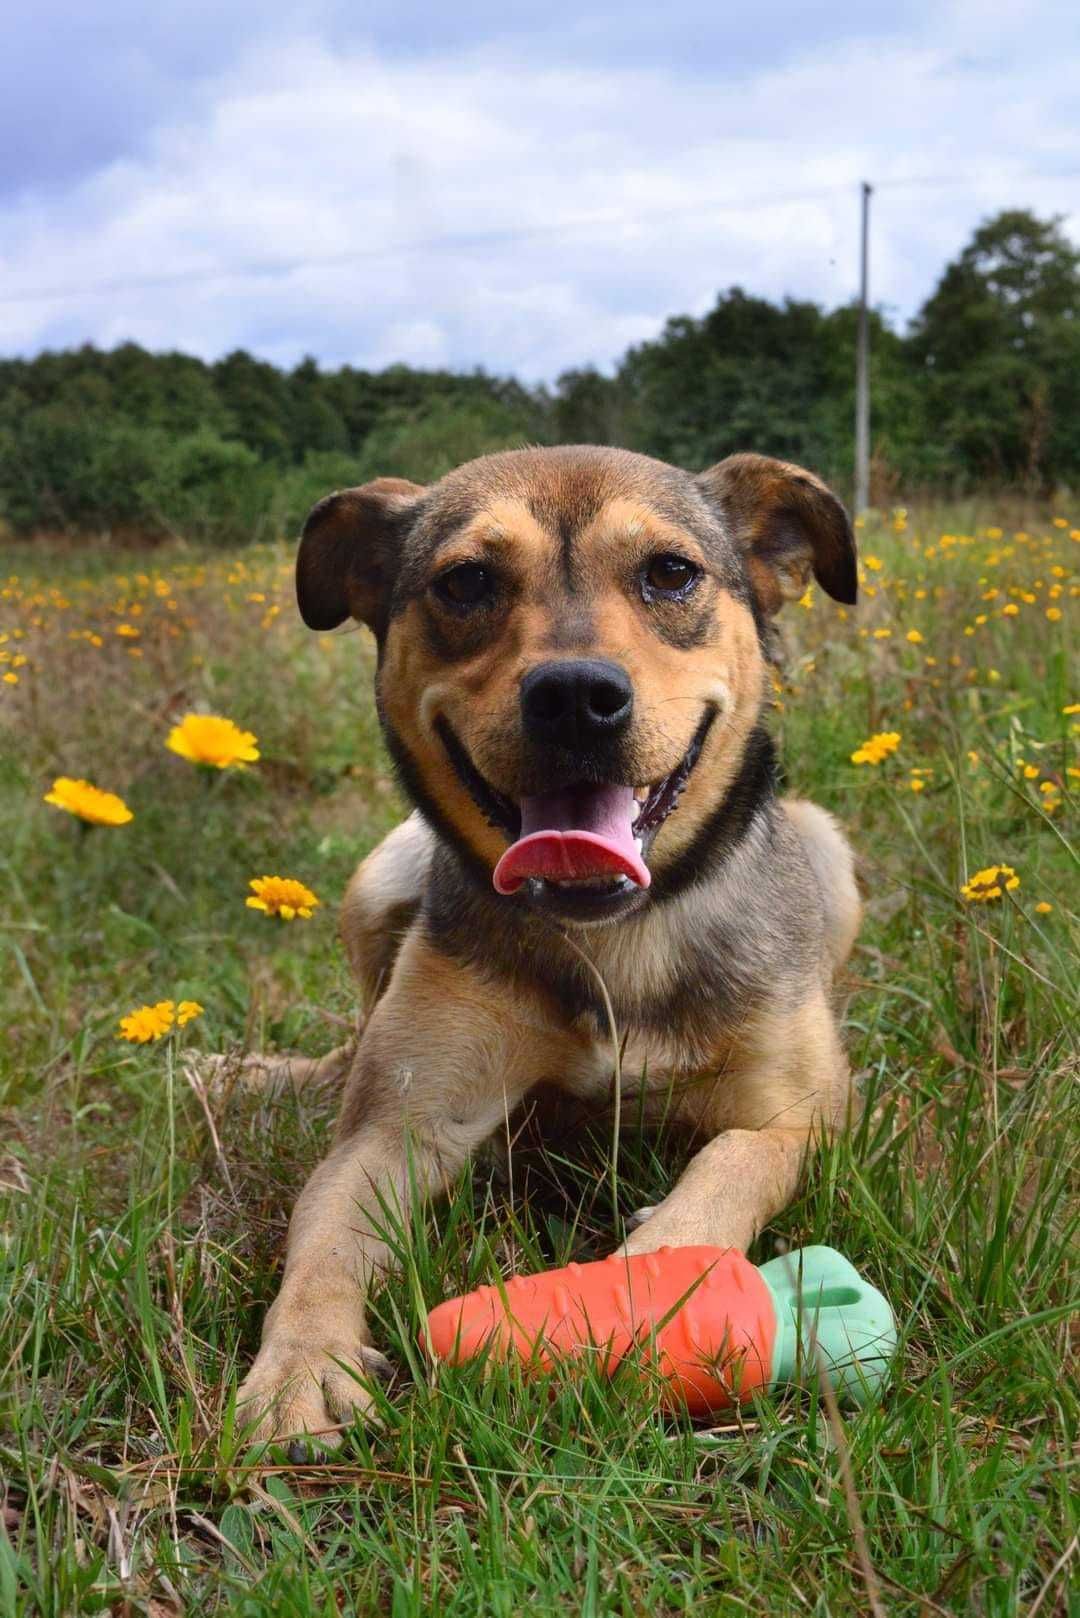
point(143, 1215)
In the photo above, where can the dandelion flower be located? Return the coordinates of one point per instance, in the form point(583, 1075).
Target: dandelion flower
point(914, 637)
point(1053, 613)
point(281, 896)
point(148, 1022)
point(1010, 611)
point(88, 802)
point(1043, 908)
point(874, 563)
point(880, 745)
point(11, 679)
point(209, 739)
point(990, 883)
point(187, 1011)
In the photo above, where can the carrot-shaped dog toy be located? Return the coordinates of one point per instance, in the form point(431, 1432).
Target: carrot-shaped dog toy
point(715, 1326)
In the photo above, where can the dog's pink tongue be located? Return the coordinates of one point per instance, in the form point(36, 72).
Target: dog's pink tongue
point(583, 832)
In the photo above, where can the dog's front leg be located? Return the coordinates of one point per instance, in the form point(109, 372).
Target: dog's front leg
point(728, 1192)
point(785, 1085)
point(441, 1063)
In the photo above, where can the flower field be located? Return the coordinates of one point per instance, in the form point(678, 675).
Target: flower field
point(169, 734)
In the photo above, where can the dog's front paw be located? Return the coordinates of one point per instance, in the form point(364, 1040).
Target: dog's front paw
point(311, 1389)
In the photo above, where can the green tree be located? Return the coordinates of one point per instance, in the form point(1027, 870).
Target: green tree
point(998, 348)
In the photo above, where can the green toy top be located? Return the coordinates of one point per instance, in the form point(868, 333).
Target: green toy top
point(821, 1298)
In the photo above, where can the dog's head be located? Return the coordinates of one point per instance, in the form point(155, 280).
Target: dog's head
point(571, 650)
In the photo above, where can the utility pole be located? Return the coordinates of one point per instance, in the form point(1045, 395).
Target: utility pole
point(862, 367)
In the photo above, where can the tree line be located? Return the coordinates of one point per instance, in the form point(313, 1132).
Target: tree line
point(982, 389)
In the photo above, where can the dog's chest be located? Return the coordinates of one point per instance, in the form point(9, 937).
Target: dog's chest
point(662, 1075)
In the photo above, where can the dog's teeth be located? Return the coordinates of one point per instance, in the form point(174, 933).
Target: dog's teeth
point(639, 843)
point(637, 811)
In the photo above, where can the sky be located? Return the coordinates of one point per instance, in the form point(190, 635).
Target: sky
point(522, 187)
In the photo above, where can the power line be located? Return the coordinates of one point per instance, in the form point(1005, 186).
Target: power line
point(279, 268)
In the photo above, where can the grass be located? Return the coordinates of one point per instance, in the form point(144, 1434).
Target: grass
point(137, 1259)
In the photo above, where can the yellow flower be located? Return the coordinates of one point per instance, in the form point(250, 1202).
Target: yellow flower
point(1010, 611)
point(990, 883)
point(1031, 772)
point(880, 745)
point(914, 637)
point(281, 896)
point(208, 739)
point(1053, 613)
point(186, 1011)
point(1072, 707)
point(874, 563)
point(1042, 908)
point(127, 630)
point(148, 1022)
point(11, 679)
point(88, 802)
point(973, 758)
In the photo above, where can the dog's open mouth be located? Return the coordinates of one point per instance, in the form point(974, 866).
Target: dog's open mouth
point(590, 837)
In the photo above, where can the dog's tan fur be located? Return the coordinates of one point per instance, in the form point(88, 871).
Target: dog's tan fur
point(455, 1038)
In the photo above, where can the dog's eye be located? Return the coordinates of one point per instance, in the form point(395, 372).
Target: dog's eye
point(669, 575)
point(466, 585)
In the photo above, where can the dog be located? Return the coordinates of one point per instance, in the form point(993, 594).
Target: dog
point(574, 649)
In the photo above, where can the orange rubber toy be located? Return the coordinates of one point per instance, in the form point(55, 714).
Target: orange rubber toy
point(715, 1326)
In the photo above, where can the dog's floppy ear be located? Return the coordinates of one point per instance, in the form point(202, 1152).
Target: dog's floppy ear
point(347, 550)
point(787, 524)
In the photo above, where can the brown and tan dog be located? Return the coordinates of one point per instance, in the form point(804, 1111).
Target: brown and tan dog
point(573, 652)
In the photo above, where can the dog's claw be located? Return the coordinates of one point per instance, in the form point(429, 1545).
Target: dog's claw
point(376, 1364)
point(638, 1218)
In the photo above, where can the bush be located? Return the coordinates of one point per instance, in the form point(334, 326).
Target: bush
point(205, 487)
point(426, 444)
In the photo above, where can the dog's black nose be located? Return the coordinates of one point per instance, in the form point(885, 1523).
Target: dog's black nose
point(575, 703)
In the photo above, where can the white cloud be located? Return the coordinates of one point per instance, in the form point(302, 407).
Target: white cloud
point(296, 152)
